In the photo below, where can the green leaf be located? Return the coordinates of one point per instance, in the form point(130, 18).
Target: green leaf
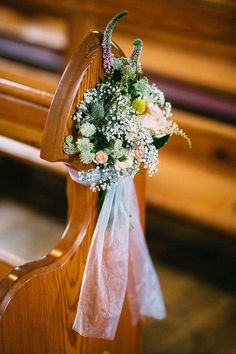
point(97, 110)
point(159, 142)
point(122, 158)
point(101, 198)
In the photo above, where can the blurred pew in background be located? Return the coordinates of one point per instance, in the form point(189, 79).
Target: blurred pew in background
point(197, 185)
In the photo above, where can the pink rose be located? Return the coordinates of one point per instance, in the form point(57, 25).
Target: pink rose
point(120, 165)
point(153, 119)
point(101, 157)
point(138, 152)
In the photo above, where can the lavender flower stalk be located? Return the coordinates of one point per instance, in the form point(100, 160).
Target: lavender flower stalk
point(108, 58)
point(136, 53)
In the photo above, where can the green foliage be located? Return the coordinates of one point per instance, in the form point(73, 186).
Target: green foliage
point(120, 63)
point(178, 131)
point(184, 135)
point(137, 42)
point(101, 197)
point(111, 25)
point(122, 158)
point(159, 142)
point(136, 54)
point(97, 111)
point(108, 58)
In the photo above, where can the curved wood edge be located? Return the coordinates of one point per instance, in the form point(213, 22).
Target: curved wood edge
point(64, 249)
point(66, 98)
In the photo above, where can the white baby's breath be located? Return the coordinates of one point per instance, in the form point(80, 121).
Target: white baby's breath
point(113, 129)
point(87, 129)
point(84, 145)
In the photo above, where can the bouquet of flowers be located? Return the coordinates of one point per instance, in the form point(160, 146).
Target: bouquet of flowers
point(120, 125)
point(122, 122)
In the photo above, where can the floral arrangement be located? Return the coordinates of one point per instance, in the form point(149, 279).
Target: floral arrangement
point(122, 122)
point(119, 126)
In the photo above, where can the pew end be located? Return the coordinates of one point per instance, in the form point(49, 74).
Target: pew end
point(40, 297)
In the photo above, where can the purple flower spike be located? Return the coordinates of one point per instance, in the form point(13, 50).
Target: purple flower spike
point(136, 53)
point(108, 58)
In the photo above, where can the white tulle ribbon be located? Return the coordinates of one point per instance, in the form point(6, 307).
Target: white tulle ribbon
point(118, 260)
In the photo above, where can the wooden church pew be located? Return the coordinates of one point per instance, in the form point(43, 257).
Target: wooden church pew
point(38, 300)
point(198, 184)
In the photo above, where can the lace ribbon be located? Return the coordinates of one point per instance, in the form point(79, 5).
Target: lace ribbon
point(118, 260)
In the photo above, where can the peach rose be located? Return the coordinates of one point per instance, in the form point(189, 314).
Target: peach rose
point(101, 157)
point(153, 119)
point(138, 152)
point(120, 165)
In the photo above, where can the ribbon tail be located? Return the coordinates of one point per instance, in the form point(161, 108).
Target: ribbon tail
point(144, 292)
point(106, 271)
